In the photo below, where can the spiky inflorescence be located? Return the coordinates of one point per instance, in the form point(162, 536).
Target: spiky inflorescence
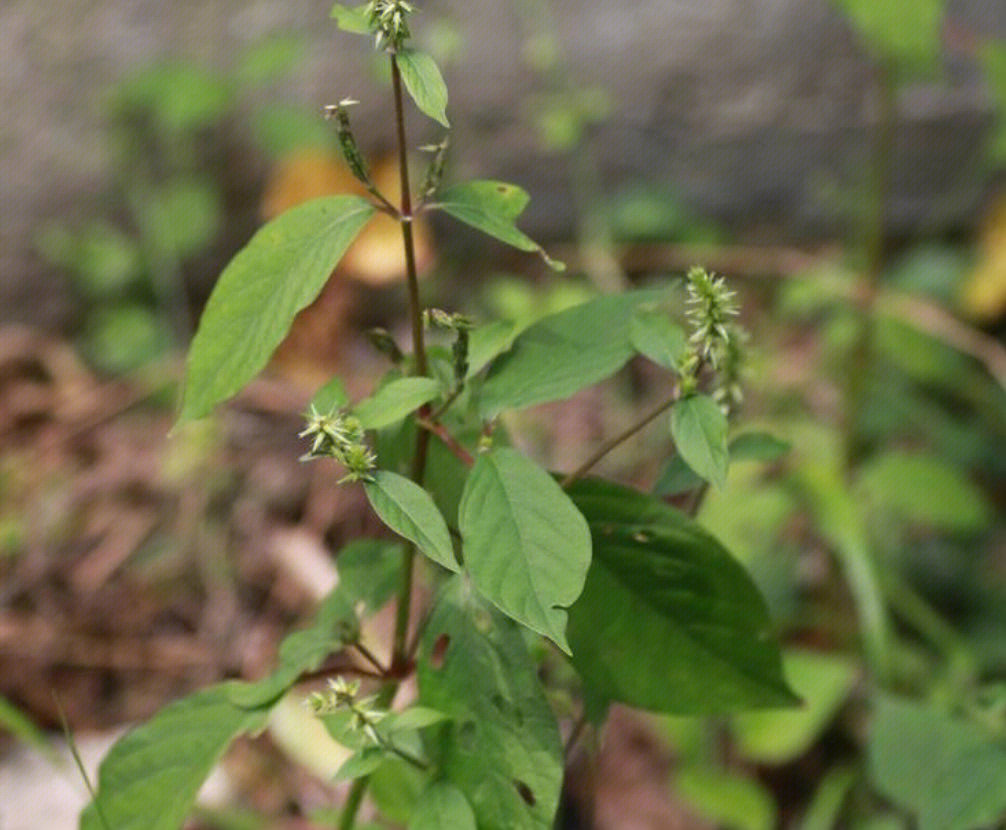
point(388, 21)
point(711, 310)
point(339, 436)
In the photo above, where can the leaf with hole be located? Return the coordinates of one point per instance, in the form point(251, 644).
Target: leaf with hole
point(149, 779)
point(395, 400)
point(668, 620)
point(502, 748)
point(424, 83)
point(409, 510)
point(564, 353)
point(525, 544)
point(279, 272)
point(492, 207)
point(699, 429)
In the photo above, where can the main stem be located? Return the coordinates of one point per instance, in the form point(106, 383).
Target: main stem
point(399, 649)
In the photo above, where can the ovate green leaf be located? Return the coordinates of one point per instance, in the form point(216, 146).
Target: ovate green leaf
point(563, 353)
point(668, 620)
point(333, 627)
point(949, 772)
point(395, 400)
point(151, 776)
point(658, 337)
point(502, 748)
point(351, 18)
point(273, 277)
point(360, 764)
point(699, 429)
point(493, 208)
point(424, 83)
point(525, 544)
point(330, 397)
point(442, 806)
point(409, 510)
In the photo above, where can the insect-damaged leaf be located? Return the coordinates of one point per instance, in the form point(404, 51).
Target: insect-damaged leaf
point(668, 620)
point(501, 748)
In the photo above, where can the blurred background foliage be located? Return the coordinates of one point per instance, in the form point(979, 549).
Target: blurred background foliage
point(872, 522)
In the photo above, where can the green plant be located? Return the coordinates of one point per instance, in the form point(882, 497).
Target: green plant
point(525, 567)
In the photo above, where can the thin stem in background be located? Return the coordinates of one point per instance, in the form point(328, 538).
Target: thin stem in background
point(859, 371)
point(623, 436)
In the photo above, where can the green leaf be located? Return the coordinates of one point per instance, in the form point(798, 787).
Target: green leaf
point(493, 208)
point(409, 510)
point(699, 429)
point(150, 778)
point(442, 806)
point(729, 800)
point(369, 570)
point(913, 50)
point(658, 337)
point(525, 544)
point(360, 764)
point(824, 682)
point(351, 18)
point(330, 397)
point(424, 83)
point(279, 272)
point(758, 446)
point(409, 720)
point(333, 627)
point(676, 477)
point(395, 787)
point(395, 400)
point(924, 488)
point(951, 773)
point(668, 620)
point(826, 805)
point(563, 353)
point(488, 341)
point(13, 720)
point(502, 748)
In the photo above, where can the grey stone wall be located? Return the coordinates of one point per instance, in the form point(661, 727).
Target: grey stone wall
point(746, 106)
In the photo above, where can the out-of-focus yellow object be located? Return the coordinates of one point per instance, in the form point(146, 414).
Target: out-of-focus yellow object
point(376, 256)
point(983, 296)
